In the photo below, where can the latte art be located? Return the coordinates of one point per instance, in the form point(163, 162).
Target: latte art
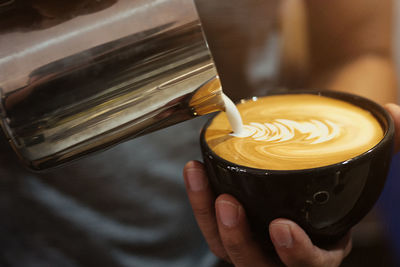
point(281, 130)
point(299, 131)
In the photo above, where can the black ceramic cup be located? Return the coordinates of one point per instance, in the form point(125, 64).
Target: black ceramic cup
point(325, 201)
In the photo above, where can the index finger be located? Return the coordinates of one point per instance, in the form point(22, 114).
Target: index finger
point(202, 200)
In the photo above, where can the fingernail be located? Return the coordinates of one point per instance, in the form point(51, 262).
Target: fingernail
point(281, 235)
point(196, 181)
point(228, 213)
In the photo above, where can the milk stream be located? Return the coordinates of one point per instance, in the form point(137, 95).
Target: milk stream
point(234, 118)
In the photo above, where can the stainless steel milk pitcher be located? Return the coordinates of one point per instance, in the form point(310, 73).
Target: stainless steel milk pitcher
point(78, 83)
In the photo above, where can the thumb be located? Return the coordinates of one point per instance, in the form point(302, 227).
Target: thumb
point(394, 111)
point(295, 248)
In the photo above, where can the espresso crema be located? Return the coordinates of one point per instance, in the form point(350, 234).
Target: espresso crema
point(292, 132)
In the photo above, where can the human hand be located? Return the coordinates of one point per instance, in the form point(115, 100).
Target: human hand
point(224, 225)
point(394, 111)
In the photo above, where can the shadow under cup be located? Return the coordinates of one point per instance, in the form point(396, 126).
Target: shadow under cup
point(325, 201)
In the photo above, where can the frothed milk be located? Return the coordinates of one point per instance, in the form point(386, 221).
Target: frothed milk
point(287, 132)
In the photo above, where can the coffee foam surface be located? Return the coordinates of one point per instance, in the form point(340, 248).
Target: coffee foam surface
point(299, 131)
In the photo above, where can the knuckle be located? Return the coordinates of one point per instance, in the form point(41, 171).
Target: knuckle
point(234, 247)
point(318, 260)
point(325, 260)
point(203, 212)
point(313, 259)
point(335, 262)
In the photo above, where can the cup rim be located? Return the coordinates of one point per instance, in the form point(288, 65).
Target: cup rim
point(343, 96)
